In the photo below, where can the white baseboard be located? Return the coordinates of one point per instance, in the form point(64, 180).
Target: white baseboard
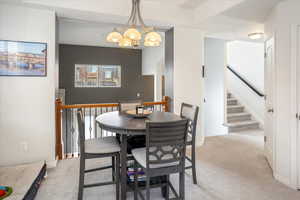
point(217, 132)
point(285, 180)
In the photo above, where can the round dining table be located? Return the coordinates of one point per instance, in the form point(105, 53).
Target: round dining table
point(126, 125)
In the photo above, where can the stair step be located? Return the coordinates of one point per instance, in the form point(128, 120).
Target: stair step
point(232, 101)
point(235, 109)
point(238, 117)
point(242, 126)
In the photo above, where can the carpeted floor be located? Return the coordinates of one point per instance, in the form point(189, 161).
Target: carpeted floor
point(230, 167)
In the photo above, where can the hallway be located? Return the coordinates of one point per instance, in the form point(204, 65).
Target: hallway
point(233, 167)
point(230, 167)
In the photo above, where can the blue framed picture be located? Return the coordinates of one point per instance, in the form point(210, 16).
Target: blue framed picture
point(18, 58)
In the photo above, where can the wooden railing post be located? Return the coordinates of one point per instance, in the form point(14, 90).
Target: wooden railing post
point(59, 143)
point(166, 100)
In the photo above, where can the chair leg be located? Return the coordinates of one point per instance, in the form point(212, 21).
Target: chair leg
point(168, 188)
point(117, 175)
point(181, 185)
point(136, 181)
point(194, 164)
point(147, 187)
point(81, 177)
point(113, 169)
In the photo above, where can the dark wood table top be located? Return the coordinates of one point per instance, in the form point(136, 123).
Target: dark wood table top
point(124, 124)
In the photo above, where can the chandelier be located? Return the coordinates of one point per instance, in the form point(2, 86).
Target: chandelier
point(135, 32)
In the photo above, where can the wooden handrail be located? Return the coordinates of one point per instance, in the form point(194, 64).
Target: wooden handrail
point(62, 107)
point(89, 106)
point(59, 107)
point(246, 82)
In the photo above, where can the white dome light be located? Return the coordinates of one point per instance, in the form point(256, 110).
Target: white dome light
point(255, 36)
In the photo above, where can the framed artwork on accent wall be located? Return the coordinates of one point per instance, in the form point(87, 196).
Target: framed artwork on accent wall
point(97, 76)
point(18, 58)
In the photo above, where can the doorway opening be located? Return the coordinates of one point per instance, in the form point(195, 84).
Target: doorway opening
point(234, 82)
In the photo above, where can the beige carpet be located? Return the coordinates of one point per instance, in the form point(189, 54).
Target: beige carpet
point(229, 168)
point(234, 167)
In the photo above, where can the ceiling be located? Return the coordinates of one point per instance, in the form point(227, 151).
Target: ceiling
point(189, 4)
point(252, 10)
point(238, 21)
point(219, 18)
point(229, 28)
point(174, 2)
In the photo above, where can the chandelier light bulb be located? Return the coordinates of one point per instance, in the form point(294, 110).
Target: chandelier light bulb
point(133, 34)
point(151, 44)
point(153, 37)
point(135, 43)
point(114, 37)
point(125, 42)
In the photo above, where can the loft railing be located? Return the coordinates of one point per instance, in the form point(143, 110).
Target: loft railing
point(246, 82)
point(66, 123)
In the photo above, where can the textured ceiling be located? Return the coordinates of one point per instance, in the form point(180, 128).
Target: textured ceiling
point(252, 10)
point(189, 4)
point(231, 18)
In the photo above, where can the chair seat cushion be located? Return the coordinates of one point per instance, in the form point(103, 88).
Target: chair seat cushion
point(189, 138)
point(139, 155)
point(102, 145)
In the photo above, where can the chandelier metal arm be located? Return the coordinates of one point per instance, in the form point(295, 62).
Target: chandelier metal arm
point(129, 22)
point(135, 15)
point(139, 14)
point(135, 20)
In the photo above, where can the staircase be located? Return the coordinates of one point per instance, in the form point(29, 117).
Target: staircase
point(238, 119)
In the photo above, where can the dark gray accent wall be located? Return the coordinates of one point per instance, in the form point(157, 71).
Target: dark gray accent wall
point(131, 73)
point(148, 90)
point(169, 66)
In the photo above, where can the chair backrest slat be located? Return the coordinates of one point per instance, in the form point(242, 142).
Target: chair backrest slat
point(165, 142)
point(190, 112)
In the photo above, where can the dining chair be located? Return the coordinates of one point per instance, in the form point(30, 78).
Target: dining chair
point(97, 148)
point(190, 112)
point(163, 155)
point(136, 141)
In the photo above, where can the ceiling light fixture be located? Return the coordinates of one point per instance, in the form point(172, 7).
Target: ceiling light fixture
point(135, 31)
point(256, 36)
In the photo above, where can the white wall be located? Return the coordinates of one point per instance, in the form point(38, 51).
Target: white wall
point(84, 33)
point(279, 24)
point(188, 82)
point(247, 59)
point(153, 63)
point(27, 103)
point(214, 86)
